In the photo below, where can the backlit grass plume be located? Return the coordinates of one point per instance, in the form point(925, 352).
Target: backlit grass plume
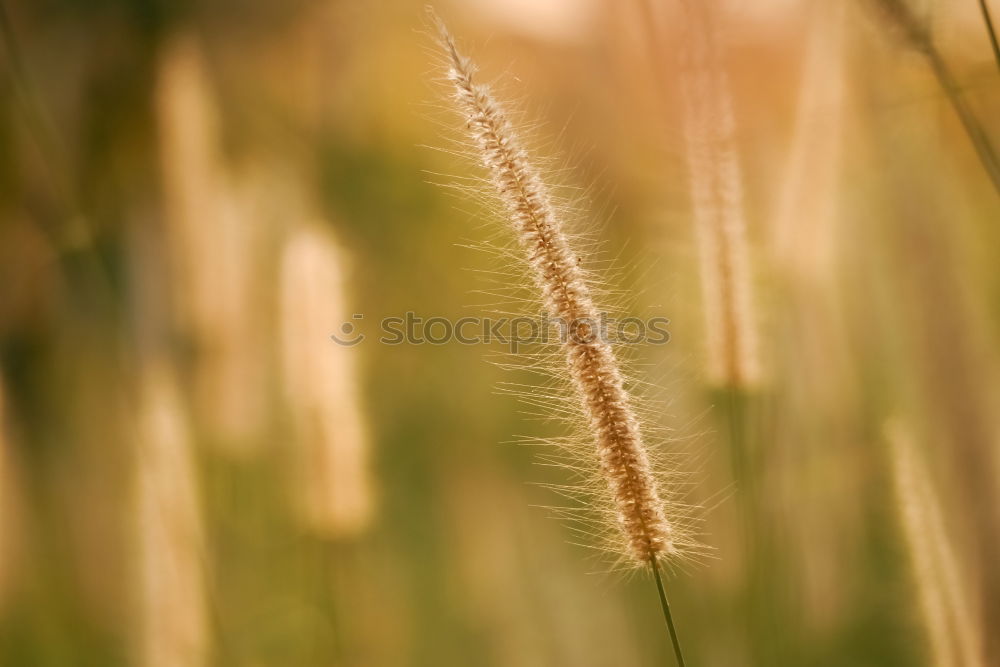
point(170, 536)
point(951, 626)
point(332, 480)
point(213, 238)
point(716, 183)
point(648, 532)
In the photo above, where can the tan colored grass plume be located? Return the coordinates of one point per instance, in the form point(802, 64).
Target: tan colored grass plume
point(716, 185)
point(642, 514)
point(333, 485)
point(214, 241)
point(951, 624)
point(171, 542)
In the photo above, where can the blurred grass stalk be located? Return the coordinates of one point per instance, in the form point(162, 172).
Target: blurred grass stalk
point(953, 629)
point(804, 221)
point(991, 32)
point(805, 337)
point(331, 479)
point(213, 243)
point(171, 540)
point(715, 182)
point(8, 502)
point(716, 186)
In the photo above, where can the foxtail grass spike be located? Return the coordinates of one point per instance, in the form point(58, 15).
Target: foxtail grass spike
point(638, 508)
point(567, 296)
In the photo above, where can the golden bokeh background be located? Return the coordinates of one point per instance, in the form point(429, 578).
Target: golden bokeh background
point(195, 195)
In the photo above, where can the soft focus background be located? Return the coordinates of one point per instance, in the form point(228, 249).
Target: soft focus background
point(195, 195)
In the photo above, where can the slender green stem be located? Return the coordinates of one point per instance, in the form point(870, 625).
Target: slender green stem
point(991, 30)
point(666, 613)
point(900, 13)
point(977, 134)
